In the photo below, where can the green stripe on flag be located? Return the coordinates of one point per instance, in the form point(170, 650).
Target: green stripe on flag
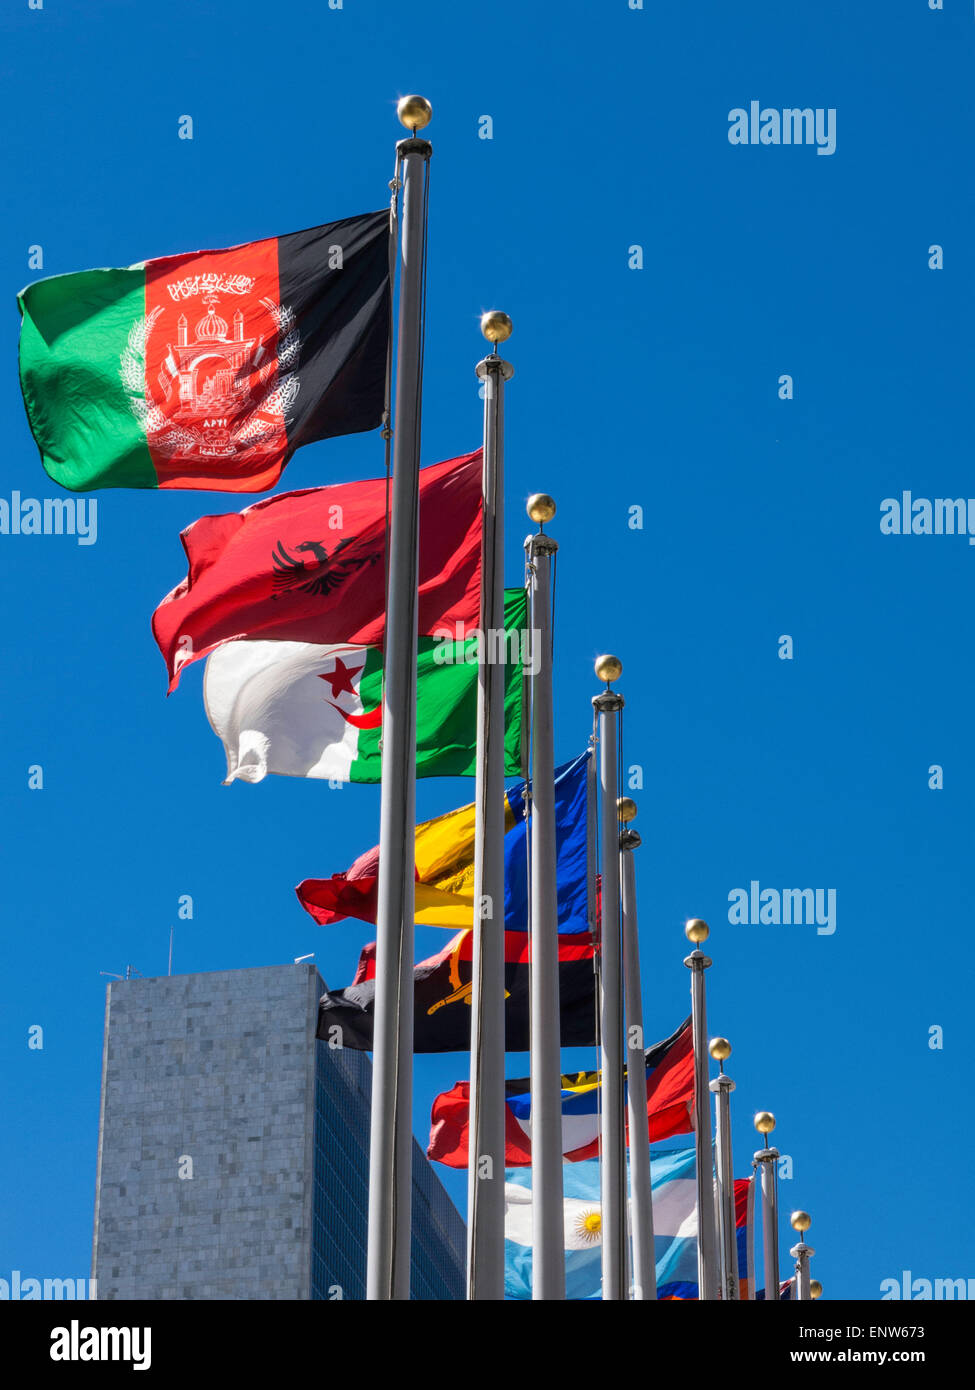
point(446, 707)
point(75, 333)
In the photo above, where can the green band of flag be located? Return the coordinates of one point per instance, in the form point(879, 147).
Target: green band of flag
point(301, 710)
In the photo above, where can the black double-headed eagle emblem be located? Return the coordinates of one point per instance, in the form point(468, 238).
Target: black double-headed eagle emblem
point(319, 573)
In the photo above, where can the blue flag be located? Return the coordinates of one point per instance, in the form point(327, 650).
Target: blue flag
point(571, 840)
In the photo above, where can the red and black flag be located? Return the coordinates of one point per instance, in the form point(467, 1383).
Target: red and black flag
point(442, 998)
point(208, 370)
point(309, 566)
point(670, 1101)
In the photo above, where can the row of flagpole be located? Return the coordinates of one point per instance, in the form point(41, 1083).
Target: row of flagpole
point(627, 1234)
point(357, 351)
point(717, 1246)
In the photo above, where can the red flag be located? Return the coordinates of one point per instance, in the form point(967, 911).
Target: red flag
point(309, 567)
point(670, 1099)
point(352, 894)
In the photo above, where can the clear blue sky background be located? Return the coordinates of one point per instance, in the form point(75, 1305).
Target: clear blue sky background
point(655, 387)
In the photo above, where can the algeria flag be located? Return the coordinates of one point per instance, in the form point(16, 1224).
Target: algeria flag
point(300, 709)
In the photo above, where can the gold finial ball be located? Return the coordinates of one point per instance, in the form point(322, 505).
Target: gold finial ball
point(696, 930)
point(496, 326)
point(414, 112)
point(815, 1289)
point(720, 1049)
point(608, 668)
point(800, 1221)
point(540, 507)
point(626, 809)
point(765, 1122)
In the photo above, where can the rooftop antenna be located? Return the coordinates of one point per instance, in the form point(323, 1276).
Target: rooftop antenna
point(299, 959)
point(130, 970)
point(170, 970)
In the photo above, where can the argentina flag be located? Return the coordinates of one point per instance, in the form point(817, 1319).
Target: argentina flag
point(674, 1216)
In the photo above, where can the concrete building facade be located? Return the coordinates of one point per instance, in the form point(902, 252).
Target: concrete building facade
point(233, 1148)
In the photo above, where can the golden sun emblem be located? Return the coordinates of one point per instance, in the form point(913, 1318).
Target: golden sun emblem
point(589, 1226)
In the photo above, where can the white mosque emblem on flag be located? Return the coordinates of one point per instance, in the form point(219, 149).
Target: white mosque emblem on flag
point(225, 396)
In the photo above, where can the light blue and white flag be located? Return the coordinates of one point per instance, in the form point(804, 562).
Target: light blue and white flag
point(674, 1222)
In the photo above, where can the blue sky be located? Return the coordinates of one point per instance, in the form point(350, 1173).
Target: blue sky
point(655, 387)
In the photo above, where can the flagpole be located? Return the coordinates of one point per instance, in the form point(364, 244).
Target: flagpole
point(485, 1165)
point(722, 1086)
point(767, 1159)
point(801, 1221)
point(548, 1223)
point(641, 1201)
point(391, 1127)
point(612, 1169)
point(697, 962)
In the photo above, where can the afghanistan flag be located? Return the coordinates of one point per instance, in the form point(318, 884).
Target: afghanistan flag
point(442, 998)
point(670, 1098)
point(309, 567)
point(444, 859)
point(208, 370)
point(301, 709)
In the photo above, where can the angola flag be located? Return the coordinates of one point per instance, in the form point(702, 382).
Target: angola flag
point(304, 710)
point(208, 370)
point(308, 567)
point(442, 998)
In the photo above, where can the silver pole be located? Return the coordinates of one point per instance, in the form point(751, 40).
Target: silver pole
point(801, 1253)
point(485, 1164)
point(612, 1170)
point(641, 1201)
point(548, 1240)
point(697, 962)
point(391, 1128)
point(722, 1086)
point(767, 1159)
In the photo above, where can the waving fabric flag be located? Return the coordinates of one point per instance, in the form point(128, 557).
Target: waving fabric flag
point(670, 1099)
point(301, 709)
point(208, 370)
point(672, 1176)
point(745, 1235)
point(674, 1223)
point(444, 856)
point(309, 567)
point(786, 1291)
point(442, 998)
point(571, 851)
point(681, 1273)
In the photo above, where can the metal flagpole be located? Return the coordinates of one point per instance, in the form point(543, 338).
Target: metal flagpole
point(802, 1253)
point(548, 1238)
point(641, 1201)
point(697, 962)
point(485, 1165)
point(767, 1159)
point(612, 1152)
point(391, 1128)
point(722, 1086)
